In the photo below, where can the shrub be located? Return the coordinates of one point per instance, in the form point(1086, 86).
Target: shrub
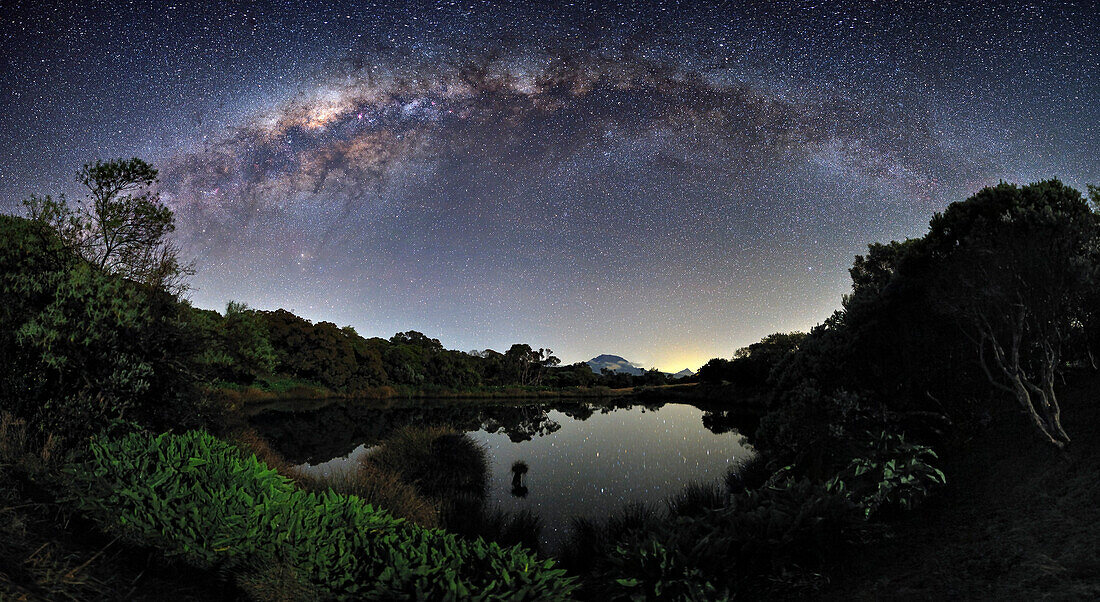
point(658, 572)
point(791, 523)
point(696, 498)
point(471, 519)
point(83, 347)
point(196, 498)
point(891, 474)
point(591, 540)
point(748, 473)
point(705, 553)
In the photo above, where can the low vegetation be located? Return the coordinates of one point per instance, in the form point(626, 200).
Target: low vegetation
point(196, 498)
point(758, 536)
point(125, 465)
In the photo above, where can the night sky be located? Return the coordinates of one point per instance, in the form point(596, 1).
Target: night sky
point(665, 182)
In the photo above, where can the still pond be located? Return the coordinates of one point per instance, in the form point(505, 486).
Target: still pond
point(582, 459)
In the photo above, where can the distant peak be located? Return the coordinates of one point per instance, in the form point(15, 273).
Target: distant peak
point(616, 363)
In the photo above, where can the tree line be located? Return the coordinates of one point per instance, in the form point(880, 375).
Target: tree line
point(982, 314)
point(96, 328)
point(242, 345)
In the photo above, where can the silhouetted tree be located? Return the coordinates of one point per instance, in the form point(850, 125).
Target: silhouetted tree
point(122, 226)
point(1018, 263)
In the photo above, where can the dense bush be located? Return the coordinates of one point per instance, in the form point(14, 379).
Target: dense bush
point(988, 306)
point(816, 431)
point(704, 549)
point(751, 366)
point(83, 347)
point(197, 498)
point(235, 347)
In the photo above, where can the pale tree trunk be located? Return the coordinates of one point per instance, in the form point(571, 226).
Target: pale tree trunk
point(1005, 372)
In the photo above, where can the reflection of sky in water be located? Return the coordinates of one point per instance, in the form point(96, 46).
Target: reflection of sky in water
point(337, 465)
point(592, 467)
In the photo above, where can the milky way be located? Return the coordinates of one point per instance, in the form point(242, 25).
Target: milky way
point(665, 183)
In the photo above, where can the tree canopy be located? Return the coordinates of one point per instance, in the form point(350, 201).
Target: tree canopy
point(121, 226)
point(989, 305)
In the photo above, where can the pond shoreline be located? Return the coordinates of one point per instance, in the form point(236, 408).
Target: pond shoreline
point(711, 398)
point(578, 457)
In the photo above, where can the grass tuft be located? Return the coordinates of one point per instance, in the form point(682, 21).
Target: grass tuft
point(748, 473)
point(696, 498)
point(440, 462)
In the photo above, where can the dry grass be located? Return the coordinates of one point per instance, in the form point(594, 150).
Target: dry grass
point(251, 442)
point(383, 392)
point(440, 462)
point(20, 447)
point(237, 398)
point(379, 488)
point(376, 486)
point(278, 582)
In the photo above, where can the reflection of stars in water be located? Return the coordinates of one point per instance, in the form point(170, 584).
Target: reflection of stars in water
point(642, 456)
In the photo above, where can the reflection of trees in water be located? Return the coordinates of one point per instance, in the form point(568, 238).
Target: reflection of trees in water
point(520, 423)
point(726, 421)
point(577, 411)
point(334, 431)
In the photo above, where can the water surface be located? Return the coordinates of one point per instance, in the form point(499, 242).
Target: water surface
point(583, 459)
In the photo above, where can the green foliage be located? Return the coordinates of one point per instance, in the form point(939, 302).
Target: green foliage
point(197, 498)
point(319, 352)
point(83, 347)
point(705, 550)
point(657, 572)
point(891, 474)
point(235, 347)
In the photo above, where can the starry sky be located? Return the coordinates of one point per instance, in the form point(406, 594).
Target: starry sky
point(665, 181)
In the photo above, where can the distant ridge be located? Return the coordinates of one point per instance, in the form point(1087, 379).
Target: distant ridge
point(686, 372)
